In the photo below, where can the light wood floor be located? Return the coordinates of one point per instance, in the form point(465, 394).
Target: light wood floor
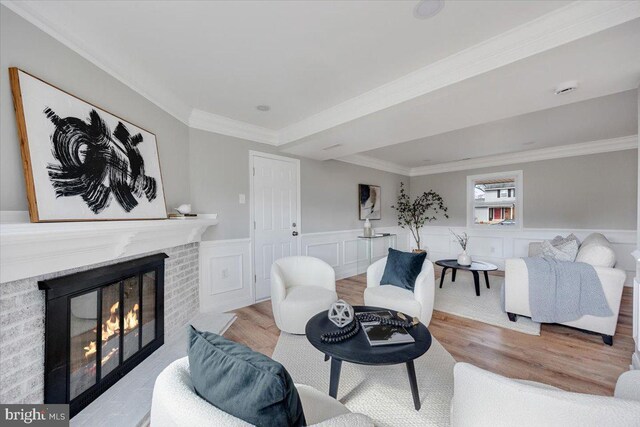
point(560, 356)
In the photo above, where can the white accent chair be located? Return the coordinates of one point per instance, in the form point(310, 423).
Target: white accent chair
point(418, 303)
point(176, 404)
point(596, 251)
point(482, 398)
point(301, 287)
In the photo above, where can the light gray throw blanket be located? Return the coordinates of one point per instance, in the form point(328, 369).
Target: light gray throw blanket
point(563, 291)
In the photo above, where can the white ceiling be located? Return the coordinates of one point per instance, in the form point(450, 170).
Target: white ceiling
point(606, 117)
point(299, 57)
point(604, 63)
point(364, 75)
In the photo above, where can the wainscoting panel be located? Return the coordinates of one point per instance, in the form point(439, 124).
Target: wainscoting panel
point(329, 252)
point(495, 245)
point(225, 275)
point(346, 253)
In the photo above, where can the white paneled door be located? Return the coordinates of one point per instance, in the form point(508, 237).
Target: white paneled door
point(276, 220)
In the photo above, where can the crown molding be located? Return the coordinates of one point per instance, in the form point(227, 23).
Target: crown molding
point(161, 97)
point(223, 125)
point(374, 163)
point(571, 150)
point(574, 21)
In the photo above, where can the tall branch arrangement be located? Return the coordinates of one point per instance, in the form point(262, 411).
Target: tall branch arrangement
point(414, 214)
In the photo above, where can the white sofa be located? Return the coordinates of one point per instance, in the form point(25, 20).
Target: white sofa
point(176, 404)
point(418, 303)
point(482, 398)
point(301, 287)
point(595, 250)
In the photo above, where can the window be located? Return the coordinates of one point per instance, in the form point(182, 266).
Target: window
point(495, 200)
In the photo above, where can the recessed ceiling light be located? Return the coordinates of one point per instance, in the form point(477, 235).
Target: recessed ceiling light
point(528, 143)
point(566, 87)
point(428, 8)
point(263, 108)
point(331, 147)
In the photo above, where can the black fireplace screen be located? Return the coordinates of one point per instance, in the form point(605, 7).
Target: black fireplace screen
point(99, 325)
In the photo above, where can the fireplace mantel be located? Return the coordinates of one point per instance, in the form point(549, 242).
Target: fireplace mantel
point(28, 250)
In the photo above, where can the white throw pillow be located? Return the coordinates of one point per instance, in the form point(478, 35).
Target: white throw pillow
point(565, 251)
point(597, 255)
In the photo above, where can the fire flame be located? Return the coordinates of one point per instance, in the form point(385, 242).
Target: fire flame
point(112, 327)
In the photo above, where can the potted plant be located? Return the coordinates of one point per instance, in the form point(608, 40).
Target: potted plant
point(414, 214)
point(463, 259)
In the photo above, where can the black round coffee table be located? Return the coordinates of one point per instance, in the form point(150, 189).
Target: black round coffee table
point(474, 268)
point(358, 350)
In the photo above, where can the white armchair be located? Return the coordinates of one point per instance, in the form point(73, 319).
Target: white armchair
point(596, 251)
point(176, 404)
point(482, 398)
point(418, 303)
point(301, 287)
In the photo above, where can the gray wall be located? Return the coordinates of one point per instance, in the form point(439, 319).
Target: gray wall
point(593, 192)
point(220, 172)
point(24, 46)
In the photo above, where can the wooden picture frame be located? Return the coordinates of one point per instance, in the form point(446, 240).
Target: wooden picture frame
point(369, 202)
point(81, 162)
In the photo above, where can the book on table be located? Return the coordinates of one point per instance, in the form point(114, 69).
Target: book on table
point(378, 334)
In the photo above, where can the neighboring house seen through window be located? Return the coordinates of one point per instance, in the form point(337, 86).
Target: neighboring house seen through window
point(495, 200)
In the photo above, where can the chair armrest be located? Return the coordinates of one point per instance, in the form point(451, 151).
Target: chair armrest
point(612, 280)
point(278, 287)
point(628, 386)
point(425, 291)
point(516, 287)
point(375, 272)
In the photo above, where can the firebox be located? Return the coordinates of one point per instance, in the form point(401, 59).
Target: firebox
point(99, 325)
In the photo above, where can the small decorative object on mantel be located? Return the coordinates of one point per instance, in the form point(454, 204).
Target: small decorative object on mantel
point(184, 209)
point(414, 214)
point(82, 163)
point(340, 313)
point(463, 259)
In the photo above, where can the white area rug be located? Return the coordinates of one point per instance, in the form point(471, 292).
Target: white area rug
point(460, 298)
point(380, 392)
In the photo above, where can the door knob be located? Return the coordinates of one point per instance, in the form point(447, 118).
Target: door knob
point(295, 233)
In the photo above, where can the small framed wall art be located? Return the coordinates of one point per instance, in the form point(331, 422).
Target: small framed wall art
point(82, 163)
point(369, 201)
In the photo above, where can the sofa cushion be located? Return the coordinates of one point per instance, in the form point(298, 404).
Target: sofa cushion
point(597, 251)
point(596, 238)
point(597, 255)
point(402, 268)
point(562, 251)
point(393, 297)
point(241, 382)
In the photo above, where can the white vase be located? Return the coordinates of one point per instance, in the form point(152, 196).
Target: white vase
point(464, 259)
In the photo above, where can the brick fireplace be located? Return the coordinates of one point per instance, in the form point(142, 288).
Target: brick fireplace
point(33, 253)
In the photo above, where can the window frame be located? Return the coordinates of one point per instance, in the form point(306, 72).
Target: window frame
point(517, 175)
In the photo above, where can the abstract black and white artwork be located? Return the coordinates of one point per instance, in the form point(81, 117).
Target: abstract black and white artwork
point(81, 162)
point(369, 201)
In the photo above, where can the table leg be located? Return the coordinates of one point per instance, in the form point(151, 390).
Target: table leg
point(444, 270)
point(486, 279)
point(411, 370)
point(476, 281)
point(336, 364)
point(453, 274)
